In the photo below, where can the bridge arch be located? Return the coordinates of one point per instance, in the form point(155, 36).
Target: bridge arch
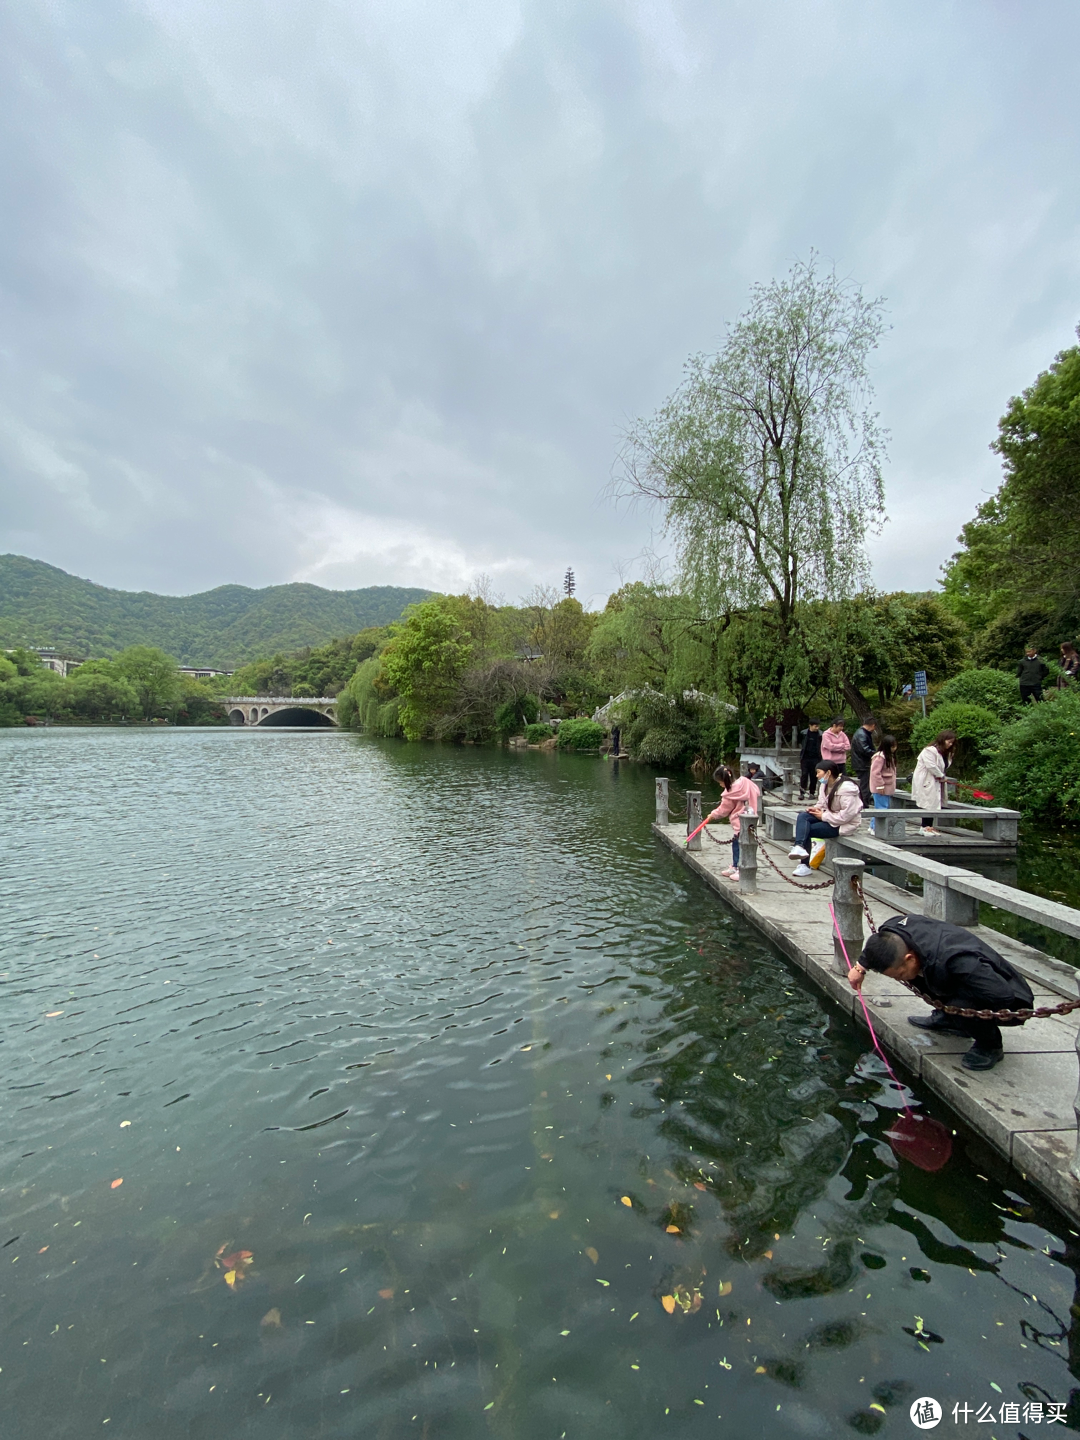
point(298, 714)
point(237, 717)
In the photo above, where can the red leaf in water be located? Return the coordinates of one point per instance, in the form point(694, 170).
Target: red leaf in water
point(386, 1294)
point(116, 1184)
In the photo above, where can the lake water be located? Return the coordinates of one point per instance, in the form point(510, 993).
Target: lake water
point(477, 1076)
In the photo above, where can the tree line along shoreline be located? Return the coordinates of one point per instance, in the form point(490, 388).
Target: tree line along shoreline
point(765, 470)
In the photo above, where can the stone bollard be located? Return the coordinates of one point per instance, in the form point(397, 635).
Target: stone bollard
point(787, 791)
point(693, 817)
point(849, 911)
point(748, 854)
point(662, 817)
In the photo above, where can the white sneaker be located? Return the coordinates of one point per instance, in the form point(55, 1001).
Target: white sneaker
point(801, 870)
point(798, 853)
point(929, 830)
point(733, 875)
point(870, 828)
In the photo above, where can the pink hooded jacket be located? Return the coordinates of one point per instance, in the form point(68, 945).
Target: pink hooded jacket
point(834, 746)
point(846, 807)
point(742, 793)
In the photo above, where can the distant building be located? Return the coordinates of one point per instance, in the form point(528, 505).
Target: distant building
point(62, 664)
point(201, 672)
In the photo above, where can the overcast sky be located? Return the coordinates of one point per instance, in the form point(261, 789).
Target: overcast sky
point(364, 291)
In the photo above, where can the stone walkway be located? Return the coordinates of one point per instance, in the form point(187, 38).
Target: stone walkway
point(1023, 1108)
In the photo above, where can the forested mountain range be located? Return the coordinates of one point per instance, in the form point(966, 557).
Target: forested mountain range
point(42, 605)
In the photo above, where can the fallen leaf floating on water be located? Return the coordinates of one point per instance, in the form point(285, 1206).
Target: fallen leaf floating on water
point(272, 1319)
point(235, 1265)
point(725, 1288)
point(594, 1255)
point(687, 1298)
point(668, 1302)
point(698, 1185)
point(124, 1124)
point(52, 1014)
point(386, 1294)
point(627, 1201)
point(673, 1230)
point(115, 1185)
point(759, 1370)
point(767, 1254)
point(553, 1215)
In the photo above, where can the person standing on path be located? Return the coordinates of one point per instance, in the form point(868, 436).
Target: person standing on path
point(928, 784)
point(862, 755)
point(835, 744)
point(740, 795)
point(1070, 666)
point(1031, 672)
point(809, 756)
point(883, 775)
point(836, 813)
point(950, 965)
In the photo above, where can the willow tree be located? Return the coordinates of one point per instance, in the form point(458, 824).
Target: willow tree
point(766, 463)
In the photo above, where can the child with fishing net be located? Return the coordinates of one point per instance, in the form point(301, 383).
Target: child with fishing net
point(954, 967)
point(740, 795)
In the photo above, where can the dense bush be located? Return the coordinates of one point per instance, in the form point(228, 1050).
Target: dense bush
point(1035, 766)
point(535, 733)
point(580, 735)
point(993, 690)
point(976, 730)
point(513, 715)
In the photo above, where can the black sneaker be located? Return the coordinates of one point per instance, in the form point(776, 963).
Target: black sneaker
point(979, 1059)
point(939, 1023)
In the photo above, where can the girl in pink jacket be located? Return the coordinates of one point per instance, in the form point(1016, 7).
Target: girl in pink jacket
point(740, 794)
point(836, 813)
point(883, 775)
point(835, 743)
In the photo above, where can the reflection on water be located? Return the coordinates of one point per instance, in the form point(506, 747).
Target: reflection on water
point(446, 1103)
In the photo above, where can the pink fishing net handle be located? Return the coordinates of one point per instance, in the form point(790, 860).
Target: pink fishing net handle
point(866, 1013)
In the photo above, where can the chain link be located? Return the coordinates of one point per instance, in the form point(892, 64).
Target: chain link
point(763, 848)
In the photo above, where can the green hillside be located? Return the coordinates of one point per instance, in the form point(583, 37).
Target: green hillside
point(41, 605)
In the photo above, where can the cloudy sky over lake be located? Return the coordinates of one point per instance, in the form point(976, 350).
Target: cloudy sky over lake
point(365, 291)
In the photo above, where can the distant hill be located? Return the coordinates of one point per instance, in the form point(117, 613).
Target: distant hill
point(41, 605)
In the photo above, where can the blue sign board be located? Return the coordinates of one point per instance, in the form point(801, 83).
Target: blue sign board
point(920, 682)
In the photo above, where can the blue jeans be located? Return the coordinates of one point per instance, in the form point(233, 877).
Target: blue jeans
point(807, 829)
point(881, 802)
point(735, 851)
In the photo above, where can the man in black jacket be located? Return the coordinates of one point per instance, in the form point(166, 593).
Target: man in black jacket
point(862, 752)
point(809, 759)
point(1031, 672)
point(949, 964)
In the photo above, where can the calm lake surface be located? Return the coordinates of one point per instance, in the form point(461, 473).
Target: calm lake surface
point(411, 1025)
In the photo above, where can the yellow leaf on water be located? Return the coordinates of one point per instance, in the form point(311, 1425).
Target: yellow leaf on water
point(768, 1254)
point(627, 1201)
point(230, 1279)
point(668, 1302)
point(673, 1230)
point(594, 1255)
point(875, 1406)
point(554, 1215)
point(725, 1288)
point(272, 1319)
point(607, 1077)
point(759, 1370)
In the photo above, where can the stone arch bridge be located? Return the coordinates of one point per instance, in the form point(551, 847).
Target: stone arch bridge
point(267, 710)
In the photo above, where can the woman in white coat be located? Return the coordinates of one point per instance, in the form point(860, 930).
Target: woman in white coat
point(928, 784)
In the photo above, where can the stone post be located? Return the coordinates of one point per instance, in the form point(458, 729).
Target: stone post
point(1074, 1168)
point(693, 817)
point(662, 816)
point(742, 737)
point(941, 903)
point(787, 791)
point(849, 911)
point(748, 854)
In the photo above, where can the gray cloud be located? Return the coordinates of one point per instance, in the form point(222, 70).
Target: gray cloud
point(359, 293)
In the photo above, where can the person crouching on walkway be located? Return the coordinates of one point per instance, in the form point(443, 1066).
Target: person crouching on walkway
point(836, 813)
point(740, 794)
point(883, 775)
point(950, 965)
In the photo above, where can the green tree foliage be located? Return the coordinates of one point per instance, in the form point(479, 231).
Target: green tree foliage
point(1016, 577)
point(514, 714)
point(976, 730)
point(152, 675)
point(1035, 766)
point(424, 664)
point(767, 461)
point(580, 735)
point(41, 605)
point(97, 696)
point(536, 734)
point(307, 673)
point(675, 729)
point(991, 689)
